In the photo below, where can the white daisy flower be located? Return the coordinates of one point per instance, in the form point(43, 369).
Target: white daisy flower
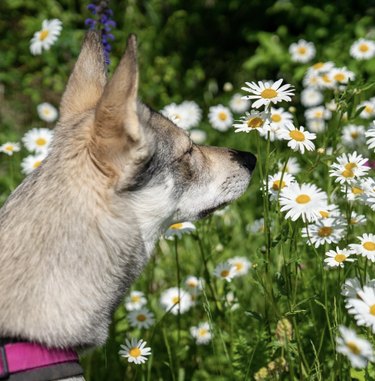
point(341, 75)
point(321, 67)
point(311, 97)
point(239, 105)
point(32, 162)
point(336, 258)
point(367, 246)
point(354, 192)
point(194, 285)
point(46, 37)
point(298, 139)
point(202, 333)
point(193, 111)
point(179, 229)
point(176, 300)
point(311, 80)
point(47, 112)
point(277, 182)
point(225, 271)
point(329, 211)
point(370, 135)
point(135, 301)
point(280, 117)
point(142, 318)
point(177, 114)
point(38, 139)
point(241, 265)
point(302, 51)
point(324, 230)
point(368, 196)
point(349, 168)
point(265, 93)
point(353, 136)
point(363, 307)
point(326, 81)
point(351, 287)
point(362, 49)
point(292, 166)
point(357, 219)
point(331, 105)
point(369, 109)
point(135, 351)
point(305, 201)
point(357, 350)
point(198, 136)
point(316, 125)
point(220, 117)
point(254, 121)
point(319, 112)
point(9, 148)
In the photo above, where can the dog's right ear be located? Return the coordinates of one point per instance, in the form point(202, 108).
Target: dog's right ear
point(87, 81)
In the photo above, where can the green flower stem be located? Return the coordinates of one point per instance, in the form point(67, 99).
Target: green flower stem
point(179, 292)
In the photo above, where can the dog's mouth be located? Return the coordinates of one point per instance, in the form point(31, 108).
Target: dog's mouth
point(209, 211)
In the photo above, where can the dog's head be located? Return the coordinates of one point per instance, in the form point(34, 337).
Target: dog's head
point(144, 160)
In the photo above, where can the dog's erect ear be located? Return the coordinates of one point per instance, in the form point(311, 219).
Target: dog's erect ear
point(116, 113)
point(87, 81)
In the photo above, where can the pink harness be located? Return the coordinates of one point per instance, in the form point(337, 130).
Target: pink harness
point(22, 357)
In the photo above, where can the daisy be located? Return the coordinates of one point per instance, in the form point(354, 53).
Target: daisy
point(177, 230)
point(193, 284)
point(254, 121)
point(351, 287)
point(331, 105)
point(141, 318)
point(321, 67)
point(225, 271)
point(311, 80)
point(316, 125)
point(336, 258)
point(311, 97)
point(277, 182)
point(303, 201)
point(326, 230)
point(370, 135)
point(357, 219)
point(9, 148)
point(302, 51)
point(241, 265)
point(341, 75)
point(231, 301)
point(193, 111)
point(326, 81)
point(353, 136)
point(349, 168)
point(176, 300)
point(368, 111)
point(363, 307)
point(280, 117)
point(265, 93)
point(177, 114)
point(135, 351)
point(220, 117)
point(202, 333)
point(135, 301)
point(319, 112)
point(47, 112)
point(32, 162)
point(198, 136)
point(357, 350)
point(291, 167)
point(298, 139)
point(239, 105)
point(362, 49)
point(367, 246)
point(257, 226)
point(38, 139)
point(45, 38)
point(329, 211)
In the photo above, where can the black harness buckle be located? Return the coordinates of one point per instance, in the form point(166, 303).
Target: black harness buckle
point(3, 358)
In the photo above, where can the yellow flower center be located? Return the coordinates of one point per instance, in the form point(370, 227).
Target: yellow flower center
point(177, 226)
point(297, 135)
point(370, 246)
point(141, 317)
point(340, 258)
point(268, 93)
point(135, 352)
point(303, 199)
point(135, 298)
point(37, 164)
point(372, 310)
point(356, 190)
point(223, 116)
point(46, 111)
point(318, 114)
point(353, 347)
point(302, 50)
point(325, 231)
point(369, 109)
point(363, 48)
point(192, 284)
point(9, 148)
point(239, 266)
point(318, 65)
point(43, 34)
point(175, 300)
point(277, 184)
point(339, 77)
point(354, 135)
point(347, 173)
point(326, 78)
point(202, 332)
point(276, 118)
point(40, 142)
point(255, 122)
point(324, 213)
point(224, 273)
point(350, 166)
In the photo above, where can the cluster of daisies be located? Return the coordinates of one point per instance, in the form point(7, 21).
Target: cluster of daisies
point(37, 140)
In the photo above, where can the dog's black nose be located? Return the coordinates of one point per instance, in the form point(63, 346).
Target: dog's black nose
point(247, 159)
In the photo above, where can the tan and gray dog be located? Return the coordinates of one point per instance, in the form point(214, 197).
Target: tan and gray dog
point(78, 231)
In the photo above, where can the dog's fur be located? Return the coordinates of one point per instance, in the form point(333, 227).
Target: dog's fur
point(80, 228)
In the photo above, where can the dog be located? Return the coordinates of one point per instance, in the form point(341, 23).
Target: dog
point(79, 229)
